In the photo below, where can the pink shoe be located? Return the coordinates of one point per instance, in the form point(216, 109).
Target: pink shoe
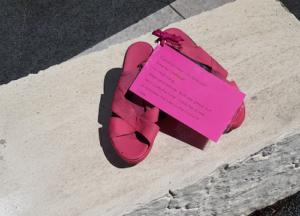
point(132, 127)
point(239, 116)
point(189, 48)
point(181, 42)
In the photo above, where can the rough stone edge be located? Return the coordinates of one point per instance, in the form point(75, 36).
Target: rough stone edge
point(284, 7)
point(240, 188)
point(157, 20)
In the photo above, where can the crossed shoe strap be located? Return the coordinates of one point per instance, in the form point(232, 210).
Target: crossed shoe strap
point(144, 123)
point(196, 53)
point(199, 54)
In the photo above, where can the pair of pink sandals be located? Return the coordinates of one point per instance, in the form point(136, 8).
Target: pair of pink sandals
point(132, 127)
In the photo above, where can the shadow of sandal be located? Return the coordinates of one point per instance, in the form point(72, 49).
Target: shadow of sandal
point(172, 127)
point(110, 83)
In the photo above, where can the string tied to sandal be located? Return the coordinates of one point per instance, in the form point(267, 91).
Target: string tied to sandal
point(166, 37)
point(142, 64)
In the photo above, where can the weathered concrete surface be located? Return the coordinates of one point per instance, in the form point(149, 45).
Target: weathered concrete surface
point(56, 160)
point(238, 188)
point(188, 8)
point(157, 20)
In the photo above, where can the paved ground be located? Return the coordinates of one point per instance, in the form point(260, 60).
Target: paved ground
point(38, 34)
point(293, 6)
point(289, 206)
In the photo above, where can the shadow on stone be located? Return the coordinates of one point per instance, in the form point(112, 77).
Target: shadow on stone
point(110, 83)
point(180, 131)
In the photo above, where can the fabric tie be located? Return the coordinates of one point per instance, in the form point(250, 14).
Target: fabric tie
point(166, 37)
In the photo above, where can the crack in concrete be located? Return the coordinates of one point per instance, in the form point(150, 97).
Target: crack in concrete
point(175, 10)
point(169, 4)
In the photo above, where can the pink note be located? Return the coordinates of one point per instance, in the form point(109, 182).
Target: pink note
point(184, 90)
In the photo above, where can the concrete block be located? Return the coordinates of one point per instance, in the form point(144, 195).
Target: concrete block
point(55, 154)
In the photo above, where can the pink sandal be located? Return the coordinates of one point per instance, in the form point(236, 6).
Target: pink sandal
point(132, 127)
point(190, 49)
point(181, 42)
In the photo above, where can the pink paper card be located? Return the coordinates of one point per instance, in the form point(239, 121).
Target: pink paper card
point(184, 90)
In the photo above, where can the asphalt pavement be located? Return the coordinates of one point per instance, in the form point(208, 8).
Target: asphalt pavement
point(290, 206)
point(36, 34)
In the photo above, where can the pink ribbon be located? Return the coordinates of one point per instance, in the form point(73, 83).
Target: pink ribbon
point(166, 37)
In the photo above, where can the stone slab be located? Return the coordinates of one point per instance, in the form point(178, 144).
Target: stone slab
point(57, 159)
point(157, 20)
point(236, 189)
point(188, 8)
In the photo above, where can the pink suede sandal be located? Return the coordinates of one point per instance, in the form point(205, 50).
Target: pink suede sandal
point(239, 116)
point(132, 127)
point(181, 42)
point(189, 48)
